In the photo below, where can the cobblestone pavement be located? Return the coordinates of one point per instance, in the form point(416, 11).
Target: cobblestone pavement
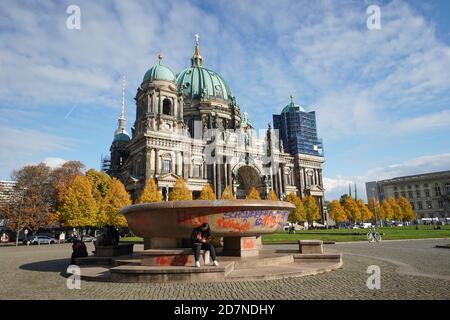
point(409, 270)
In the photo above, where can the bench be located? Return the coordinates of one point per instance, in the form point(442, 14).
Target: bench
point(310, 246)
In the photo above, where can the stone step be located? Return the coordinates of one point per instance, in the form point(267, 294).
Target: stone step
point(95, 273)
point(157, 274)
point(259, 261)
point(318, 257)
point(290, 270)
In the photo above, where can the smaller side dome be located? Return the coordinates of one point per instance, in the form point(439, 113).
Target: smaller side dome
point(121, 137)
point(159, 72)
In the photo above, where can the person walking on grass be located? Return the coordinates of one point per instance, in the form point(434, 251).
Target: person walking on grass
point(201, 239)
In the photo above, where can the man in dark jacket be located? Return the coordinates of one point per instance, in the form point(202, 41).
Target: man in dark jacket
point(201, 237)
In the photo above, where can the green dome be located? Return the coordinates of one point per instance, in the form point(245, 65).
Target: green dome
point(198, 80)
point(159, 72)
point(121, 137)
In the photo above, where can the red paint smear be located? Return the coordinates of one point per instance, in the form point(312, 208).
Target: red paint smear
point(232, 224)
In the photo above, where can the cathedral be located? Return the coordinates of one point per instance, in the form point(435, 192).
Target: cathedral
point(190, 125)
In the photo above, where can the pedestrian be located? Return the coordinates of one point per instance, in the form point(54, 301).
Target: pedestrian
point(201, 239)
point(79, 250)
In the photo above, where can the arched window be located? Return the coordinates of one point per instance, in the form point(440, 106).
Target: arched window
point(167, 107)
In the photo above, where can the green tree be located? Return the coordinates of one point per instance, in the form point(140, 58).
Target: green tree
point(180, 191)
point(227, 194)
point(312, 211)
point(150, 193)
point(253, 194)
point(78, 207)
point(351, 209)
point(115, 199)
point(337, 212)
point(207, 193)
point(272, 196)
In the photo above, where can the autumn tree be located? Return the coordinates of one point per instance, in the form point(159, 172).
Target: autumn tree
point(34, 198)
point(396, 209)
point(298, 213)
point(227, 194)
point(272, 196)
point(63, 176)
point(207, 193)
point(253, 194)
point(386, 210)
point(180, 191)
point(312, 211)
point(407, 210)
point(150, 193)
point(100, 183)
point(351, 209)
point(78, 207)
point(374, 207)
point(337, 212)
point(365, 213)
point(115, 199)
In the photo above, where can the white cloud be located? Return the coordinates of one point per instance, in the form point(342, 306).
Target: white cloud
point(335, 187)
point(23, 146)
point(54, 162)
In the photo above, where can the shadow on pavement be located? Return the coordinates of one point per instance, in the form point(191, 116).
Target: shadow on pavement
point(57, 265)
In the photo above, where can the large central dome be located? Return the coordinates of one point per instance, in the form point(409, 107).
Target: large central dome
point(198, 81)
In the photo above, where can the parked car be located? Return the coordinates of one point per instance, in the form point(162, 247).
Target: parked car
point(39, 239)
point(88, 238)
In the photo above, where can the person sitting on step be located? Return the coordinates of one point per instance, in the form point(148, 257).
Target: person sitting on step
point(201, 239)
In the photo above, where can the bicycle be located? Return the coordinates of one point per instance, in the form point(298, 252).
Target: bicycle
point(373, 235)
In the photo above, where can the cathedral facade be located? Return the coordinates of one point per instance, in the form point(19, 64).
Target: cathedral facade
point(190, 125)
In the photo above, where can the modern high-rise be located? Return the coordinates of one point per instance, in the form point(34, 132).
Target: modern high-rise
point(428, 193)
point(298, 130)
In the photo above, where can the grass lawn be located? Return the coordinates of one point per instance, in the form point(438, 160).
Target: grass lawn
point(339, 235)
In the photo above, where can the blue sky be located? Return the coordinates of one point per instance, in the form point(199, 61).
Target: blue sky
point(381, 96)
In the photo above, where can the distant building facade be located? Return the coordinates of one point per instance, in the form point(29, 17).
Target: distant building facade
point(6, 190)
point(428, 193)
point(179, 117)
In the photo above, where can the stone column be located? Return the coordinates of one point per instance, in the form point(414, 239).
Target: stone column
point(157, 161)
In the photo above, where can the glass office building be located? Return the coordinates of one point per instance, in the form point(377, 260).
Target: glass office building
point(298, 130)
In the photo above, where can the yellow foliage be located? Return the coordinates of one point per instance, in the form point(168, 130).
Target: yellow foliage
point(78, 207)
point(365, 213)
point(207, 193)
point(408, 213)
point(312, 211)
point(227, 194)
point(150, 193)
point(253, 194)
point(180, 191)
point(374, 207)
point(352, 209)
point(272, 196)
point(115, 199)
point(298, 213)
point(336, 211)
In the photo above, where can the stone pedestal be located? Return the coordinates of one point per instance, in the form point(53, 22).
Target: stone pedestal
point(241, 246)
point(161, 243)
point(112, 251)
point(173, 257)
point(310, 246)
